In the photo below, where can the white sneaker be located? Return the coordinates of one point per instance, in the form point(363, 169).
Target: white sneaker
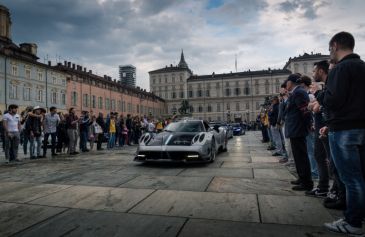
point(341, 226)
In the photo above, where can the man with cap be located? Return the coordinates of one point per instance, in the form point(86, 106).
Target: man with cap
point(297, 123)
point(50, 123)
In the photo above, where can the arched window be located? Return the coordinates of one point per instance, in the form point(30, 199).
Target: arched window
point(267, 87)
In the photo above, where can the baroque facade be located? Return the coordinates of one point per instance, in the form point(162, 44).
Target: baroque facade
point(228, 96)
point(25, 81)
point(87, 91)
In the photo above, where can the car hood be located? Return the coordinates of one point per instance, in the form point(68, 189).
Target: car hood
point(171, 139)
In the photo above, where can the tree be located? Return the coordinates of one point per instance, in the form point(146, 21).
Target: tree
point(185, 108)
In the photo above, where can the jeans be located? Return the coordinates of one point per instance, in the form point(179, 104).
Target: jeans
point(53, 143)
point(32, 141)
point(310, 149)
point(111, 142)
point(83, 139)
point(272, 143)
point(25, 143)
point(72, 136)
point(322, 159)
point(11, 145)
point(275, 132)
point(348, 152)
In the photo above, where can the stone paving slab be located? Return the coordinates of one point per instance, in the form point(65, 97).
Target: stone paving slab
point(282, 174)
point(235, 158)
point(82, 223)
point(221, 206)
point(169, 183)
point(150, 170)
point(214, 228)
point(264, 159)
point(16, 217)
point(243, 164)
point(256, 186)
point(96, 198)
point(25, 192)
point(293, 210)
point(97, 179)
point(218, 172)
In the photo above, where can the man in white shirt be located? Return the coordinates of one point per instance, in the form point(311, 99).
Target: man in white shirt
point(11, 122)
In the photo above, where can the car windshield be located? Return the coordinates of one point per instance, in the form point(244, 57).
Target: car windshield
point(185, 126)
point(236, 125)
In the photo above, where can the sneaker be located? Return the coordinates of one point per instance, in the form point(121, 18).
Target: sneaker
point(283, 160)
point(270, 148)
point(301, 187)
point(336, 204)
point(341, 226)
point(276, 154)
point(316, 192)
point(296, 182)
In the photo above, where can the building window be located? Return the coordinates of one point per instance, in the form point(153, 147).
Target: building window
point(267, 87)
point(257, 88)
point(209, 108)
point(54, 80)
point(13, 92)
point(74, 98)
point(63, 98)
point(305, 67)
point(113, 104)
point(207, 93)
point(107, 103)
point(40, 76)
point(228, 91)
point(26, 93)
point(85, 100)
point(200, 109)
point(93, 101)
point(159, 79)
point(237, 91)
point(27, 73)
point(181, 77)
point(40, 95)
point(218, 107)
point(247, 88)
point(14, 70)
point(199, 93)
point(247, 105)
point(173, 78)
point(181, 94)
point(191, 94)
point(237, 106)
point(129, 107)
point(277, 86)
point(53, 97)
point(100, 103)
point(228, 106)
point(296, 66)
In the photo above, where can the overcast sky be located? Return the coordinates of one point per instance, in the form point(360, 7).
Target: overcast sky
point(102, 34)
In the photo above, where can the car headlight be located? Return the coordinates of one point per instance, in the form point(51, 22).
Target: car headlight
point(195, 139)
point(201, 137)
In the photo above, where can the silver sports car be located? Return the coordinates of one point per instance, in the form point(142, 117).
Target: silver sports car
point(183, 141)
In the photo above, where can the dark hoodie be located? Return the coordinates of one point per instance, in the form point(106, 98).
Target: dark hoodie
point(345, 94)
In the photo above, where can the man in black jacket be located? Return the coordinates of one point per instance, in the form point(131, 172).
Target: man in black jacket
point(297, 123)
point(100, 121)
point(345, 101)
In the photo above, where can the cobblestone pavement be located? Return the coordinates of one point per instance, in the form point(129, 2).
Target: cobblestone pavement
point(245, 192)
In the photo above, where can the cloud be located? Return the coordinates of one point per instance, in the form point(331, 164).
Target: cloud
point(102, 34)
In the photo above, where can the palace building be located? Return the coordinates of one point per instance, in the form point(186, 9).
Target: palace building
point(227, 96)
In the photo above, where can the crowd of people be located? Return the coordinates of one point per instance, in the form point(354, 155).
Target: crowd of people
point(38, 131)
point(319, 127)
